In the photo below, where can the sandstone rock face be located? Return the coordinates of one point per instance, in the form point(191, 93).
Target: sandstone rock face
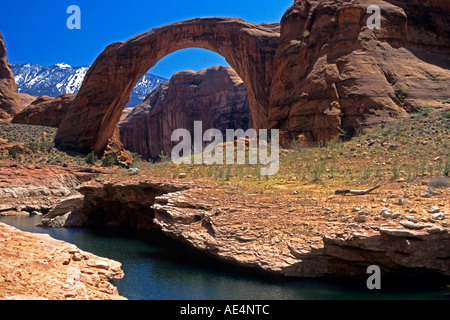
point(38, 267)
point(26, 99)
point(45, 111)
point(238, 235)
point(215, 96)
point(10, 102)
point(332, 72)
point(126, 204)
point(28, 188)
point(247, 47)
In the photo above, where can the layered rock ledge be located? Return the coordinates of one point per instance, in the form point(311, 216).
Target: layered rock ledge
point(296, 237)
point(27, 188)
point(38, 267)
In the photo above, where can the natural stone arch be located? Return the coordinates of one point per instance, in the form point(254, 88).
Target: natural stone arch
point(93, 116)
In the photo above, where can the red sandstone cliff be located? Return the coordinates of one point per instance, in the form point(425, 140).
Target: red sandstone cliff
point(216, 96)
point(45, 111)
point(332, 72)
point(9, 97)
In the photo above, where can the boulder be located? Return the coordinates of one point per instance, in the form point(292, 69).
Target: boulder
point(58, 216)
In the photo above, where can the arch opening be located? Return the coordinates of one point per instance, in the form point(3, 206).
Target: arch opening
point(213, 94)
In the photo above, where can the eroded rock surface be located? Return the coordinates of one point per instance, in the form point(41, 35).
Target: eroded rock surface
point(296, 237)
point(28, 188)
point(45, 111)
point(10, 103)
point(288, 244)
point(333, 73)
point(38, 267)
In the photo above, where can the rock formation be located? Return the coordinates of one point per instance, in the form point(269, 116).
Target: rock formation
point(249, 49)
point(215, 96)
point(326, 71)
point(104, 203)
point(45, 111)
point(10, 102)
point(38, 267)
point(331, 72)
point(26, 99)
point(28, 188)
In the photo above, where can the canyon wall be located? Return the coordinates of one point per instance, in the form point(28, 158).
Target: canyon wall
point(216, 96)
point(333, 73)
point(10, 103)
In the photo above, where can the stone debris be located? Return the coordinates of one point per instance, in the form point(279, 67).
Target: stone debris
point(428, 193)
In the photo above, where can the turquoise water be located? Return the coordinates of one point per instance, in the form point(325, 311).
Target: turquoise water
point(158, 268)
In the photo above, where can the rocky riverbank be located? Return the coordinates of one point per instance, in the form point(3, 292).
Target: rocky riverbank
point(313, 235)
point(38, 267)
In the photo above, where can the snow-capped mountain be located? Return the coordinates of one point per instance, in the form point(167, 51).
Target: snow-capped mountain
point(62, 78)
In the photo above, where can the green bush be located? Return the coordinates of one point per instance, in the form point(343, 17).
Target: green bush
point(33, 146)
point(423, 112)
point(110, 160)
point(91, 158)
point(446, 169)
point(46, 146)
point(401, 93)
point(15, 151)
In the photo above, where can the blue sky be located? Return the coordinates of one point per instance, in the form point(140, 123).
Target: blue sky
point(36, 31)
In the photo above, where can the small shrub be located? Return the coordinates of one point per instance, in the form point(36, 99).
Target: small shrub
point(424, 111)
point(163, 157)
point(316, 170)
point(110, 160)
point(32, 146)
point(446, 170)
point(395, 168)
point(91, 158)
point(401, 93)
point(15, 151)
point(46, 146)
point(439, 182)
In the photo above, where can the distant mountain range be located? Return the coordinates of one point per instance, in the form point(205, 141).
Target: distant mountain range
point(61, 78)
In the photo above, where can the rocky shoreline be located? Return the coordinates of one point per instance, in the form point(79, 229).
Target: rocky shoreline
point(38, 267)
point(289, 239)
point(305, 234)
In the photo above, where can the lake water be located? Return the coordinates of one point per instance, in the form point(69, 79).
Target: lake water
point(159, 268)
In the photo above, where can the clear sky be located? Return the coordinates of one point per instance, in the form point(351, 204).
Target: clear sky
point(36, 31)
